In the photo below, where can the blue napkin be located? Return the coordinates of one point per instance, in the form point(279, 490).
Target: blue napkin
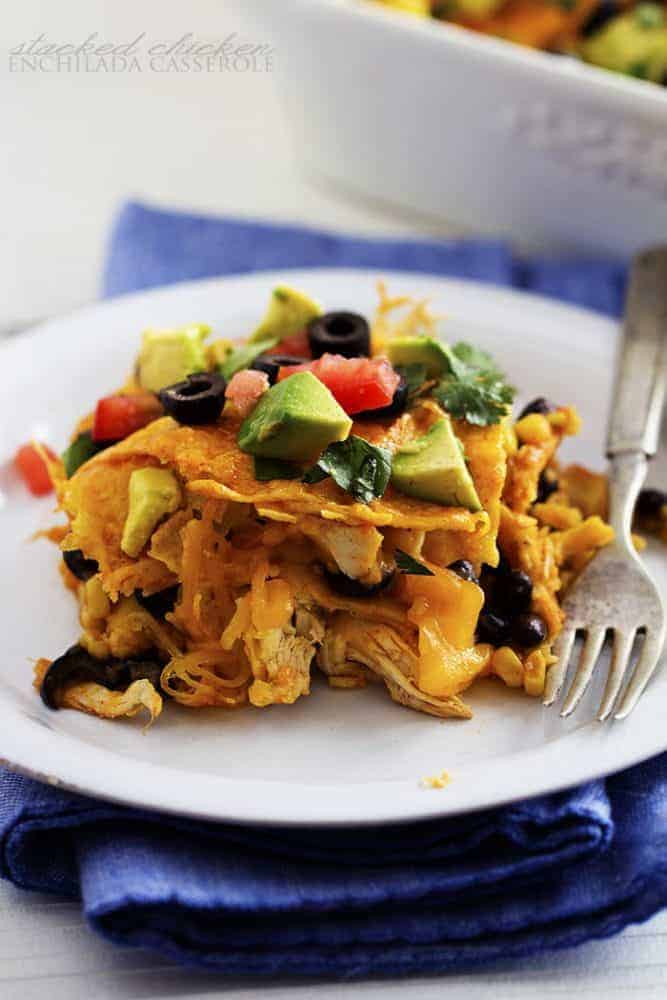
point(546, 873)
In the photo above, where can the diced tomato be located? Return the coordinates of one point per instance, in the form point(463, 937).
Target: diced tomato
point(357, 383)
point(245, 388)
point(33, 470)
point(296, 346)
point(116, 417)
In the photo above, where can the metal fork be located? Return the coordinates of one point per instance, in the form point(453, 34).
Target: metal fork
point(615, 593)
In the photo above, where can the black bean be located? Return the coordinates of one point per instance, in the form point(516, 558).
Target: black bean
point(393, 409)
point(77, 564)
point(493, 628)
point(464, 569)
point(650, 503)
point(349, 587)
point(490, 574)
point(159, 604)
point(271, 364)
point(197, 400)
point(528, 630)
point(513, 592)
point(344, 333)
point(539, 405)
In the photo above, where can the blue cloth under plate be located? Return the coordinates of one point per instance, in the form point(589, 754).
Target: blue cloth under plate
point(545, 873)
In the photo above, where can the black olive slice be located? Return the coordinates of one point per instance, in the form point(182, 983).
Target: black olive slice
point(144, 670)
point(197, 400)
point(75, 664)
point(539, 405)
point(271, 364)
point(343, 333)
point(160, 603)
point(78, 665)
point(77, 564)
point(347, 586)
point(393, 409)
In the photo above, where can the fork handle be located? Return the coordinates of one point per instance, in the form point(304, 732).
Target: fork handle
point(639, 390)
point(641, 371)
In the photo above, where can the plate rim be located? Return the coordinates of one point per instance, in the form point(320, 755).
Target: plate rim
point(259, 802)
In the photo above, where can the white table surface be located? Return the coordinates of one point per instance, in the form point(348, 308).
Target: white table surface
point(47, 951)
point(73, 147)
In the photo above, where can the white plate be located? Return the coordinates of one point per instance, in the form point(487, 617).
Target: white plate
point(336, 756)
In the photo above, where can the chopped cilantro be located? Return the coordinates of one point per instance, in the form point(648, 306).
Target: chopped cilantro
point(648, 15)
point(415, 377)
point(80, 450)
point(359, 468)
point(474, 357)
point(639, 69)
point(406, 564)
point(243, 356)
point(475, 389)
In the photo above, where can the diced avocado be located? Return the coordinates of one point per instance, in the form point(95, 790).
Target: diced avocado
point(295, 420)
point(634, 43)
point(425, 351)
point(153, 493)
point(169, 356)
point(433, 468)
point(289, 311)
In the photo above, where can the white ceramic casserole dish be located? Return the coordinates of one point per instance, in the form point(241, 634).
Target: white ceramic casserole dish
point(469, 128)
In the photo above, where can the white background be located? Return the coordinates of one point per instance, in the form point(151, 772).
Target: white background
point(72, 147)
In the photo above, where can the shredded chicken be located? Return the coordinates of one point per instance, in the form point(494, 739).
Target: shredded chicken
point(353, 643)
point(351, 549)
point(98, 700)
point(280, 659)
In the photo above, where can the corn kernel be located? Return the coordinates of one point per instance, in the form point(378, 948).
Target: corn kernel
point(535, 674)
point(533, 429)
point(507, 665)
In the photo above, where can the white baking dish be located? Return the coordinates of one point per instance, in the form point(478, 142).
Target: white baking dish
point(469, 128)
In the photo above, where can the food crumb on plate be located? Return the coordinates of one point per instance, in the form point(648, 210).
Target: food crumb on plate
point(436, 780)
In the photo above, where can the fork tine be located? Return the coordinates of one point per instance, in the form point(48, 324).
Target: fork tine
point(557, 671)
point(587, 661)
point(623, 643)
point(646, 664)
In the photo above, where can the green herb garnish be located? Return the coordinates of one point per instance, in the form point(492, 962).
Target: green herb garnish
point(415, 377)
point(639, 69)
point(359, 468)
point(412, 567)
point(475, 389)
point(475, 357)
point(81, 449)
point(243, 356)
point(275, 468)
point(649, 15)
